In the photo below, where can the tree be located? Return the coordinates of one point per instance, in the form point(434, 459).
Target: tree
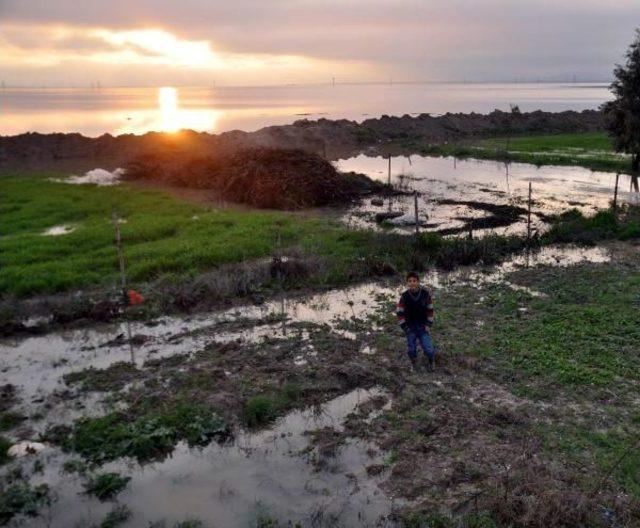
point(622, 114)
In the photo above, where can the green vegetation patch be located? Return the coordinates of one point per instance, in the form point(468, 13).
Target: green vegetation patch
point(263, 408)
point(583, 332)
point(593, 150)
point(4, 447)
point(112, 378)
point(147, 437)
point(119, 515)
point(106, 485)
point(21, 498)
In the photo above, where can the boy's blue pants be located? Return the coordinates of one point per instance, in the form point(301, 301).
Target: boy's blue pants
point(415, 334)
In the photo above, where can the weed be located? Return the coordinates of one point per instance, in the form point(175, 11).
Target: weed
point(259, 410)
point(119, 515)
point(21, 498)
point(9, 420)
point(147, 437)
point(106, 485)
point(4, 447)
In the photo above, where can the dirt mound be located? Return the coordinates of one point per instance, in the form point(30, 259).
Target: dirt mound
point(260, 177)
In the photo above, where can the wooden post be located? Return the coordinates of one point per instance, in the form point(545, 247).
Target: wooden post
point(123, 282)
point(455, 162)
point(529, 218)
point(417, 220)
point(615, 194)
point(123, 276)
point(389, 182)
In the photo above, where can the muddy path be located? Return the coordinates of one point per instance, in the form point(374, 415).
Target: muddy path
point(318, 419)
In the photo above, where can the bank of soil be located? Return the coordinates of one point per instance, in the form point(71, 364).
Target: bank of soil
point(330, 139)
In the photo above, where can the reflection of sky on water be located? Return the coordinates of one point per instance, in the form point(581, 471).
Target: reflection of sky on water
point(138, 110)
point(555, 189)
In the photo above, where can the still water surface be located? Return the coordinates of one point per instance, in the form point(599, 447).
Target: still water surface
point(132, 110)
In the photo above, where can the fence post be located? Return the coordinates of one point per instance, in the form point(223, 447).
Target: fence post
point(123, 281)
point(417, 220)
point(529, 218)
point(123, 276)
point(615, 194)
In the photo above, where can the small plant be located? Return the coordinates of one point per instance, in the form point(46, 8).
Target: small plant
point(74, 466)
point(259, 410)
point(22, 499)
point(119, 515)
point(9, 420)
point(4, 447)
point(148, 437)
point(106, 485)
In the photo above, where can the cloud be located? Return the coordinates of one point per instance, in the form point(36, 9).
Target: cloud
point(408, 39)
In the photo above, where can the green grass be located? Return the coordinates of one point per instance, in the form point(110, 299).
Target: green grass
point(264, 408)
point(593, 150)
point(106, 485)
point(160, 235)
point(4, 447)
point(585, 332)
point(145, 437)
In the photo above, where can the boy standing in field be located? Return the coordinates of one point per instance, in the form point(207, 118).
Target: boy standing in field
point(415, 315)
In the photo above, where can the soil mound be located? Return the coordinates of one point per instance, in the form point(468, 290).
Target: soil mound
point(260, 177)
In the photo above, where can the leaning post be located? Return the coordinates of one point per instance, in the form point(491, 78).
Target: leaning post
point(417, 220)
point(615, 195)
point(529, 218)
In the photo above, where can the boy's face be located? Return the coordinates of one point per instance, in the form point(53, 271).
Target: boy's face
point(413, 283)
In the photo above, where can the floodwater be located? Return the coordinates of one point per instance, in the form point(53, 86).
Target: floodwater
point(554, 189)
point(36, 365)
point(93, 112)
point(258, 474)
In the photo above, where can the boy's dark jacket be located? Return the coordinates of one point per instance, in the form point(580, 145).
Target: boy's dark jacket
point(415, 309)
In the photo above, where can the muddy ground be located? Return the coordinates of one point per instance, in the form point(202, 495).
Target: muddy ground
point(307, 412)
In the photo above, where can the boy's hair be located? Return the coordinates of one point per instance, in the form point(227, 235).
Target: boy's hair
point(413, 275)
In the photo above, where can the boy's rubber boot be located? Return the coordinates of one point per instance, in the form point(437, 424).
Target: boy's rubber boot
point(431, 362)
point(414, 364)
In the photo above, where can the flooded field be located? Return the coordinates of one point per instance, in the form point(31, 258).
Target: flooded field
point(312, 466)
point(455, 194)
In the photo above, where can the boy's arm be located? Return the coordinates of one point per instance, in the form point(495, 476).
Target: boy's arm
point(400, 313)
point(430, 309)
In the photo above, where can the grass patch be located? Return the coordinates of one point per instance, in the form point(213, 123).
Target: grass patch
point(106, 486)
point(4, 447)
point(162, 235)
point(147, 437)
point(8, 420)
point(21, 498)
point(119, 515)
point(263, 409)
point(593, 150)
point(585, 332)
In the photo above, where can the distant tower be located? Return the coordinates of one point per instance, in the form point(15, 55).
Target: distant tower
point(333, 81)
point(98, 85)
point(3, 85)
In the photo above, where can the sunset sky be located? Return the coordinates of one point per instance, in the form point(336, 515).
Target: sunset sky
point(260, 42)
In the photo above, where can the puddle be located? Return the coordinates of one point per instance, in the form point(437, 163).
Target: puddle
point(555, 189)
point(36, 365)
point(99, 177)
point(263, 474)
point(58, 230)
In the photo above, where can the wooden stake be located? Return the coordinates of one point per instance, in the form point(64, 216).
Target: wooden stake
point(529, 218)
point(123, 282)
point(123, 276)
point(615, 194)
point(415, 204)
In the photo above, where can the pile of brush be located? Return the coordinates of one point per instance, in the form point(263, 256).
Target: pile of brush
point(260, 177)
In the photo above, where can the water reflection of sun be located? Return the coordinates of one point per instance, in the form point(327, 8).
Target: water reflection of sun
point(173, 118)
